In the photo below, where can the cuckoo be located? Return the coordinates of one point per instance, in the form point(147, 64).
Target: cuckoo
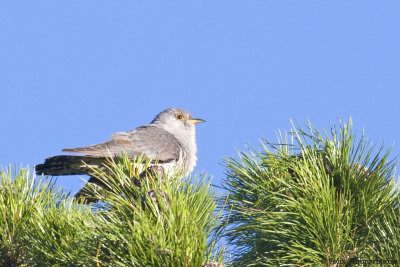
point(168, 140)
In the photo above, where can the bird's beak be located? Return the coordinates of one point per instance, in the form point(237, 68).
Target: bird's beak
point(194, 121)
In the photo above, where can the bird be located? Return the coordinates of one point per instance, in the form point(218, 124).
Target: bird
point(169, 140)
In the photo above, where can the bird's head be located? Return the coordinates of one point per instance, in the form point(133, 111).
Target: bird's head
point(176, 121)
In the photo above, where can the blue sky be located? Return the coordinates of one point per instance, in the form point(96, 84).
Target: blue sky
point(74, 72)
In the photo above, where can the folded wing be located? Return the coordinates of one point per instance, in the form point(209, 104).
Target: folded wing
point(150, 141)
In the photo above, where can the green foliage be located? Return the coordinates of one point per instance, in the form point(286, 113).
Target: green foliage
point(159, 223)
point(63, 234)
point(313, 200)
point(163, 222)
point(21, 196)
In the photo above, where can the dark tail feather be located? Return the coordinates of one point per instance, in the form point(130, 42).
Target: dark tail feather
point(67, 165)
point(85, 194)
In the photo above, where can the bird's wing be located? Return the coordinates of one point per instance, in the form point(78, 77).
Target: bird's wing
point(151, 141)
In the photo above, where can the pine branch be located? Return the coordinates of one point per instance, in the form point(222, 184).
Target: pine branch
point(161, 222)
point(312, 199)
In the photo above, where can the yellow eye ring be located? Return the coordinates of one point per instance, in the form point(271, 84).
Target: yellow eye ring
point(179, 117)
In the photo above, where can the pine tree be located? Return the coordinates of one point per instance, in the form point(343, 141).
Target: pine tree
point(159, 222)
point(313, 199)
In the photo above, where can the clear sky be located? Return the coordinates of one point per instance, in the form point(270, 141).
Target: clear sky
point(74, 72)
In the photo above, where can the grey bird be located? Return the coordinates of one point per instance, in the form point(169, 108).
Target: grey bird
point(168, 140)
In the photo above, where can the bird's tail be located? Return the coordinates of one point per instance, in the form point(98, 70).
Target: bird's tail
point(67, 165)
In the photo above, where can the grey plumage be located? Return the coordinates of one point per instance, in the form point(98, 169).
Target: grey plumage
point(154, 142)
point(169, 139)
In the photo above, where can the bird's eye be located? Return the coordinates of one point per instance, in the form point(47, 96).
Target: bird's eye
point(179, 117)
